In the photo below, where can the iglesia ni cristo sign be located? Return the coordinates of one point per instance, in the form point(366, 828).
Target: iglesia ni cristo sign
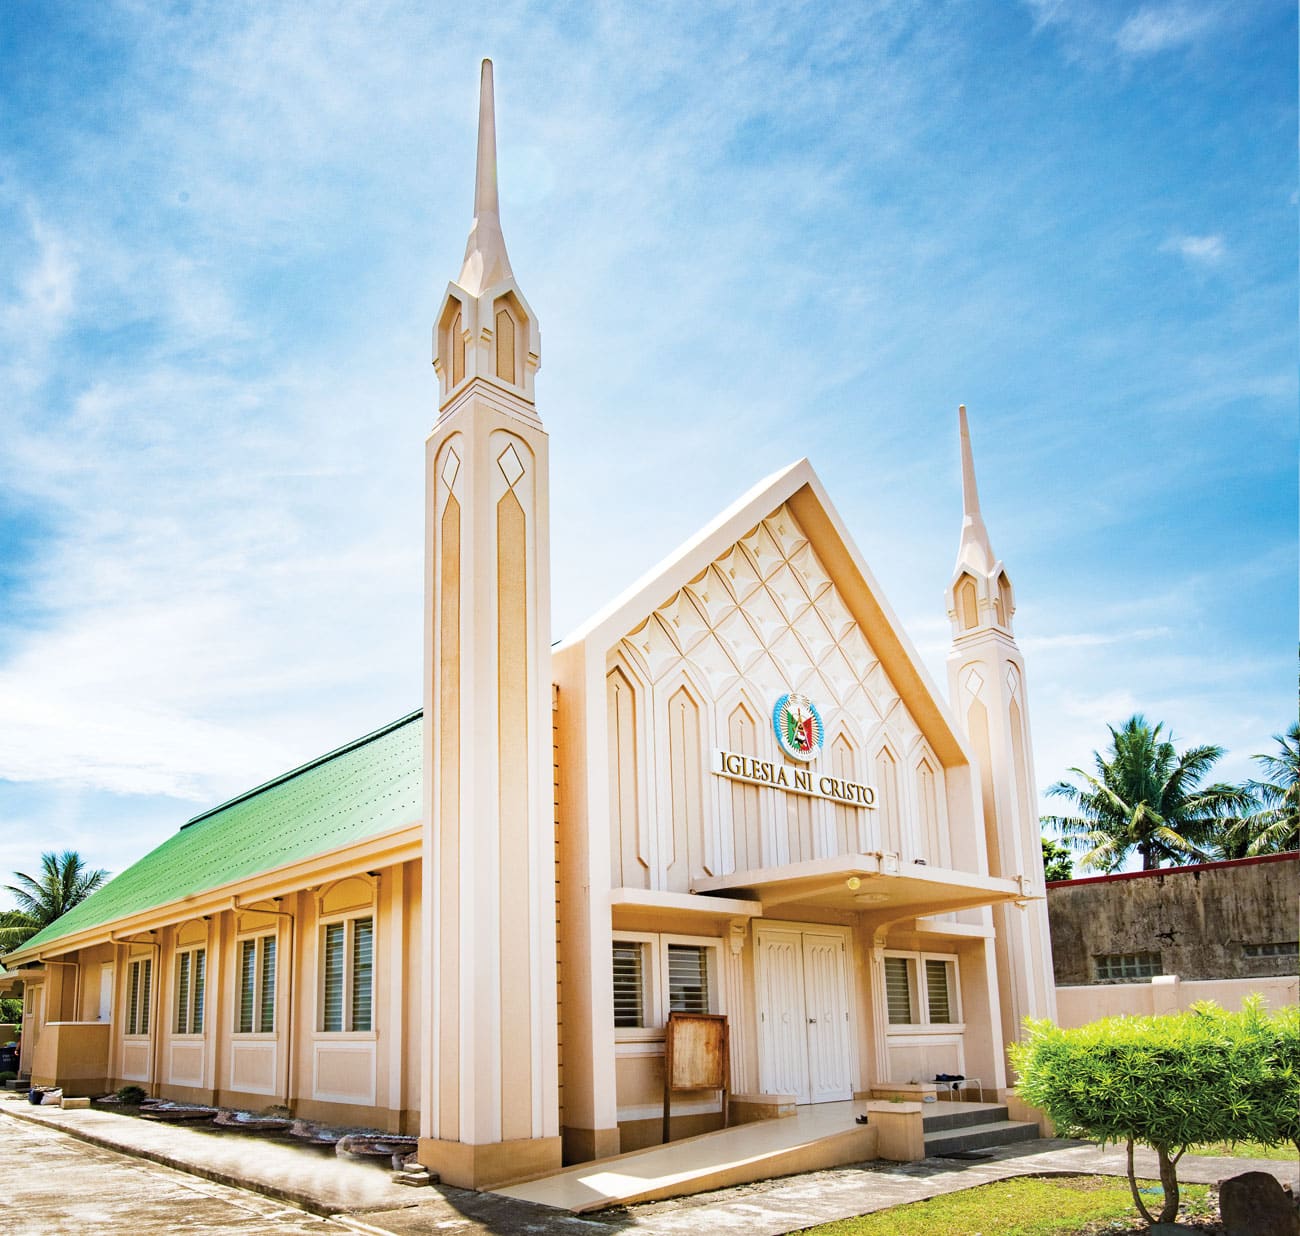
point(799, 732)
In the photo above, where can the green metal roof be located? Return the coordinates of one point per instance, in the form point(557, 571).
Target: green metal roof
point(363, 789)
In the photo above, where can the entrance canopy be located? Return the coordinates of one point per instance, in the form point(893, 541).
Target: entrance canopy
point(867, 882)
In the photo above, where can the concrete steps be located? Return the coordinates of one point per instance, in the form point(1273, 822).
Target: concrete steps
point(983, 1127)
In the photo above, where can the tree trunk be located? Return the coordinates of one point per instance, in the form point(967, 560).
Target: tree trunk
point(1133, 1187)
point(1169, 1183)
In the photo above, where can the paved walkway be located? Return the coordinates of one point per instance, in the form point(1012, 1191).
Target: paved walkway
point(361, 1197)
point(53, 1185)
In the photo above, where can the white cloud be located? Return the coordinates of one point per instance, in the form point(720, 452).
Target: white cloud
point(1159, 28)
point(1205, 250)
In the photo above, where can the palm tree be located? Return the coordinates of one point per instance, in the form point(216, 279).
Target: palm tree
point(1275, 826)
point(63, 882)
point(1148, 798)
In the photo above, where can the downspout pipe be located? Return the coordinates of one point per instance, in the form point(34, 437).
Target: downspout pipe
point(290, 1027)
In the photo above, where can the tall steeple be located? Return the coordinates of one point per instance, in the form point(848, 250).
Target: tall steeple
point(986, 683)
point(489, 1108)
point(485, 328)
point(486, 261)
point(974, 551)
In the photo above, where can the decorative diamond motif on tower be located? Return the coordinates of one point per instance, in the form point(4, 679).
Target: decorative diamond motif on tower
point(450, 467)
point(973, 681)
point(511, 468)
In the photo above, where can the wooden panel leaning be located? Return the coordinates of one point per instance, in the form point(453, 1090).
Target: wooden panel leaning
point(697, 1056)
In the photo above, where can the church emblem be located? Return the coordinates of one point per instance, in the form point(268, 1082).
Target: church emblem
point(798, 726)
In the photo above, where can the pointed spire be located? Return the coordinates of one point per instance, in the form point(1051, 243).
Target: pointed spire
point(486, 260)
point(974, 551)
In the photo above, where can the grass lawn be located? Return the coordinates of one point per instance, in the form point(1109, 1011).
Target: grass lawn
point(1026, 1206)
point(1244, 1150)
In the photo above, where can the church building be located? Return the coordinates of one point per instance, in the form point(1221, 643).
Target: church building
point(735, 790)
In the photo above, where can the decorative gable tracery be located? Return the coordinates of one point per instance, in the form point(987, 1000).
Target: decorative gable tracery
point(762, 619)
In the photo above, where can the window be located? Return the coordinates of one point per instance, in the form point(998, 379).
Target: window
point(1278, 948)
point(629, 984)
point(921, 990)
point(688, 978)
point(139, 984)
point(348, 975)
point(1121, 967)
point(256, 1008)
point(898, 990)
point(191, 981)
point(655, 975)
point(938, 991)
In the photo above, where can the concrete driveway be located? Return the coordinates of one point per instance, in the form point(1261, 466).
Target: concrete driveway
point(51, 1183)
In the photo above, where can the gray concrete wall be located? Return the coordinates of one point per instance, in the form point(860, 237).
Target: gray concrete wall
point(1199, 919)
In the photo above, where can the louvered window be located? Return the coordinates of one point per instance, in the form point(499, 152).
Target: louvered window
point(629, 984)
point(139, 984)
point(938, 996)
point(898, 991)
point(688, 979)
point(266, 1003)
point(190, 967)
point(247, 984)
point(333, 1018)
point(363, 969)
point(256, 986)
point(347, 996)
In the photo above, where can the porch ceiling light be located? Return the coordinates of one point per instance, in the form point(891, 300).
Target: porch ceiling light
point(854, 883)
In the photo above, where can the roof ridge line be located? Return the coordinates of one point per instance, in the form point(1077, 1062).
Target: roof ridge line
point(307, 767)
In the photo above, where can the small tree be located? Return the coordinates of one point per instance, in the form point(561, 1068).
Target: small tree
point(1167, 1082)
point(1057, 863)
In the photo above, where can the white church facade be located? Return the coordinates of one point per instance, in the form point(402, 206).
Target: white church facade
point(735, 790)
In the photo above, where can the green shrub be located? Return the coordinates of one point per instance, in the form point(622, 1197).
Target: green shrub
point(6, 1075)
point(131, 1095)
point(1168, 1082)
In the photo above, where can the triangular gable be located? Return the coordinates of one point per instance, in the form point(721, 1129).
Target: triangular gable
point(799, 489)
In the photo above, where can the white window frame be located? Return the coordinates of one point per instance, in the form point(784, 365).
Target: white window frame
point(654, 980)
point(138, 995)
point(258, 939)
point(920, 994)
point(348, 922)
point(194, 1023)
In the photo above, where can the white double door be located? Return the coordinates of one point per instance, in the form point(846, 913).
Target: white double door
point(805, 1029)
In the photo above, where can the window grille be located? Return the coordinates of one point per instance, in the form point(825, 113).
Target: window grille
point(1122, 967)
point(346, 1003)
point(629, 985)
point(937, 993)
point(266, 1007)
point(363, 968)
point(247, 984)
point(139, 983)
point(688, 979)
point(1277, 948)
point(898, 991)
point(190, 972)
point(333, 1012)
point(256, 985)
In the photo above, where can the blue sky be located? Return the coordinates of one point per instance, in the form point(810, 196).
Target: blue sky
point(751, 233)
